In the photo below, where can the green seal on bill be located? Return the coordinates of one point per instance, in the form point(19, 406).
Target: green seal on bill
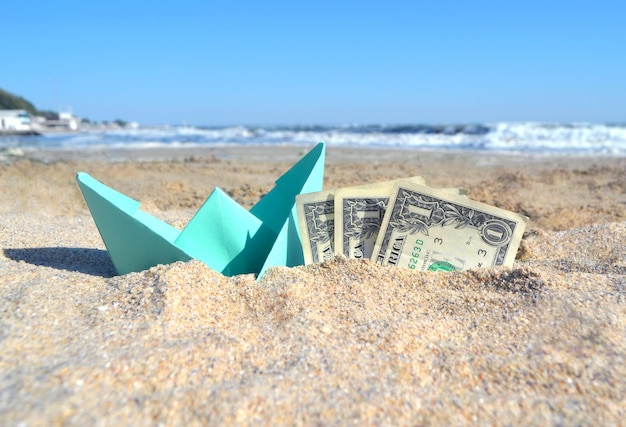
point(441, 266)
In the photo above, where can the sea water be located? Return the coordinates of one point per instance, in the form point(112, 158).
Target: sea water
point(537, 138)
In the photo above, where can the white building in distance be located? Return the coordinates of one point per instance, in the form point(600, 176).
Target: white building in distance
point(15, 121)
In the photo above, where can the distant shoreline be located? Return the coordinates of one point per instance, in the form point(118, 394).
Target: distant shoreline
point(19, 133)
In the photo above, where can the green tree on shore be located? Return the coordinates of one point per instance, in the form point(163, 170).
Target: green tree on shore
point(9, 101)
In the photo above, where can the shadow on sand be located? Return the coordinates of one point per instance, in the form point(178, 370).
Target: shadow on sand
point(95, 262)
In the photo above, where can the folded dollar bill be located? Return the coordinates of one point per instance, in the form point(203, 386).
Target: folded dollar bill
point(316, 222)
point(430, 229)
point(405, 223)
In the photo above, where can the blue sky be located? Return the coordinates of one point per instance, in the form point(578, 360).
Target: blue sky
point(324, 62)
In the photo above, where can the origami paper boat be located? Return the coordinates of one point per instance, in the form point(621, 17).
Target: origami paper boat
point(222, 234)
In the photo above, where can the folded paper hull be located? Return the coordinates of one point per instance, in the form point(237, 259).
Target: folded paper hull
point(222, 234)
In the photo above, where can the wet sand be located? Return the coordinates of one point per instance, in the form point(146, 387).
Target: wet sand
point(345, 342)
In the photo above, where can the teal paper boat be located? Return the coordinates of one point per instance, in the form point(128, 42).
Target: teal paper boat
point(222, 234)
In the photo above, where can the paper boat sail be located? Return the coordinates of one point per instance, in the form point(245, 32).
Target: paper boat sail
point(222, 234)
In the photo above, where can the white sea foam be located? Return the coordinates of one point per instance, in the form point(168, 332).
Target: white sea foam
point(542, 138)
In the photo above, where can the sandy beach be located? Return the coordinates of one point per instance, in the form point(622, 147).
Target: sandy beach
point(341, 343)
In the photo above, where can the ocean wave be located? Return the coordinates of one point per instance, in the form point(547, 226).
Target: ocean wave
point(526, 137)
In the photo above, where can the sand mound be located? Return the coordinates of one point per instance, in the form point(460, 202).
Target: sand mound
point(345, 342)
point(342, 342)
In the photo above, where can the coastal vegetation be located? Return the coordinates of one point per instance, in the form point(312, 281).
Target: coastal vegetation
point(9, 101)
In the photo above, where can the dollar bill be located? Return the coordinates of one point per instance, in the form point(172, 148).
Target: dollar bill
point(316, 222)
point(359, 213)
point(430, 229)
